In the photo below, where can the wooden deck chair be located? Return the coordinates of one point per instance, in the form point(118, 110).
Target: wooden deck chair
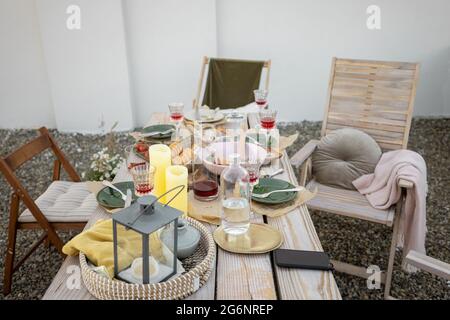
point(205, 62)
point(376, 97)
point(429, 264)
point(56, 209)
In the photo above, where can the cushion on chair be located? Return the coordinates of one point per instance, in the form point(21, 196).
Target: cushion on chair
point(64, 201)
point(344, 155)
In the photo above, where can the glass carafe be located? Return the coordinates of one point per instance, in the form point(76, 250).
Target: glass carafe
point(205, 181)
point(235, 190)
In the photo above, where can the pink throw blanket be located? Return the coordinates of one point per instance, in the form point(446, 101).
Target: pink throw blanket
point(382, 191)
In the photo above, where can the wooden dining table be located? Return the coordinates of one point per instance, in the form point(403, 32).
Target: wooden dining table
point(235, 276)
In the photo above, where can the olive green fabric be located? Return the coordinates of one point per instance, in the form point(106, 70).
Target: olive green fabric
point(230, 83)
point(344, 155)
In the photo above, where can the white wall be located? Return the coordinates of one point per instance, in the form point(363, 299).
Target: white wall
point(301, 37)
point(25, 99)
point(133, 57)
point(88, 68)
point(167, 39)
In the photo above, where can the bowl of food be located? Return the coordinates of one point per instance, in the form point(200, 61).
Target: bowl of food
point(215, 157)
point(141, 150)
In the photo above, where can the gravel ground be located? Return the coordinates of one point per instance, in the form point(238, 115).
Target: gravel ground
point(345, 239)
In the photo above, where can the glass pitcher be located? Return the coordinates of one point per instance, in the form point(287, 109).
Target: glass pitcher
point(235, 190)
point(205, 181)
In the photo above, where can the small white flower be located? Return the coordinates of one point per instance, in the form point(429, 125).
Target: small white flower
point(107, 175)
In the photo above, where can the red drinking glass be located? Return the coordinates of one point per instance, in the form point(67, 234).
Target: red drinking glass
point(267, 119)
point(143, 178)
point(261, 98)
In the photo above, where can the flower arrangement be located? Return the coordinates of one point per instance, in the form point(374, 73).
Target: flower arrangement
point(103, 166)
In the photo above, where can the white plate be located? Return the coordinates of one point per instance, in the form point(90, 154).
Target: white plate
point(217, 116)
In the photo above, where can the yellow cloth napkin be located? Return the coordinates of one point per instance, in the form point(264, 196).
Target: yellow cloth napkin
point(97, 244)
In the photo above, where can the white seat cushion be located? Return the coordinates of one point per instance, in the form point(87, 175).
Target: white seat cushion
point(64, 201)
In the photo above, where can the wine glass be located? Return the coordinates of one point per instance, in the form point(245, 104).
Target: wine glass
point(253, 168)
point(261, 98)
point(253, 162)
point(267, 119)
point(176, 116)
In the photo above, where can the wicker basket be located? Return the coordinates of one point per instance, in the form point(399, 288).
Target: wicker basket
point(198, 268)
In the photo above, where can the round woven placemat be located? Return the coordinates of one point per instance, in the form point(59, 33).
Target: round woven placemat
point(198, 268)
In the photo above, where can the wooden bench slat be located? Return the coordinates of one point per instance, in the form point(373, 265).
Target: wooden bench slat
point(299, 233)
point(377, 64)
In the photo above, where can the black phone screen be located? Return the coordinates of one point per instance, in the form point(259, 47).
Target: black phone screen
point(302, 259)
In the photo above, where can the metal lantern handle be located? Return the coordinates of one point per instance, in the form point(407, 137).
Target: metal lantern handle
point(176, 195)
point(151, 206)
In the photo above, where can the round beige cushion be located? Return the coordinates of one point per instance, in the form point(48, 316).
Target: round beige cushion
point(344, 155)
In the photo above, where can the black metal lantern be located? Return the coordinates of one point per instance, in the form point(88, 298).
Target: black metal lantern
point(145, 217)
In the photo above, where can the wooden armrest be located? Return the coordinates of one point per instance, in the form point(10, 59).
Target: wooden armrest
point(304, 153)
point(405, 184)
point(429, 264)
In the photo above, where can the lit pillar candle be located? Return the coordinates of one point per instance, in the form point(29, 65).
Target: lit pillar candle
point(160, 158)
point(176, 176)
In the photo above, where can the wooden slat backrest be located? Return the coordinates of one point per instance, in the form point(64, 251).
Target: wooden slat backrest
point(376, 97)
point(28, 151)
point(45, 141)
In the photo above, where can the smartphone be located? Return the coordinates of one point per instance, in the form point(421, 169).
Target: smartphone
point(312, 260)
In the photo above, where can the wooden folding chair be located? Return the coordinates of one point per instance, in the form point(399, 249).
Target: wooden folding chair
point(267, 65)
point(36, 218)
point(376, 97)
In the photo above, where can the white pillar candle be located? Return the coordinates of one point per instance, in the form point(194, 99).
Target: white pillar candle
point(176, 176)
point(160, 159)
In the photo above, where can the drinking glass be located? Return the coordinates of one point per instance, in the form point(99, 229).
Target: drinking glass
point(267, 119)
point(253, 169)
point(176, 116)
point(261, 98)
point(143, 178)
